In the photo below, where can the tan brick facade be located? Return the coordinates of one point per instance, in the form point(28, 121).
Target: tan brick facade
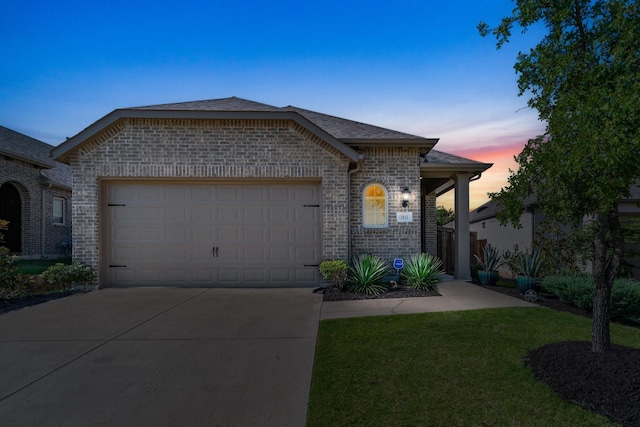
point(393, 168)
point(211, 150)
point(237, 150)
point(39, 236)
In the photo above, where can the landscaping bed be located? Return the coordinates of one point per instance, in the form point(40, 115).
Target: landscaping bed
point(334, 294)
point(607, 384)
point(7, 305)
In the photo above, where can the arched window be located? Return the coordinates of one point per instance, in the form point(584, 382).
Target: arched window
point(374, 206)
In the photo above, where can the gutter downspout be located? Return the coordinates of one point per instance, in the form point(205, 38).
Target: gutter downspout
point(351, 172)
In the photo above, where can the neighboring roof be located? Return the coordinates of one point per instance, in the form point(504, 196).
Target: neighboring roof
point(337, 132)
point(22, 147)
point(491, 209)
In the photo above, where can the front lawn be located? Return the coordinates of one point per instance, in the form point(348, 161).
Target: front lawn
point(462, 368)
point(37, 266)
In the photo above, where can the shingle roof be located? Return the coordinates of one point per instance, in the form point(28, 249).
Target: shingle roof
point(341, 128)
point(435, 156)
point(23, 147)
point(337, 127)
point(222, 104)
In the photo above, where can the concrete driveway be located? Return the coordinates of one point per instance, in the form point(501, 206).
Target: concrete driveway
point(160, 357)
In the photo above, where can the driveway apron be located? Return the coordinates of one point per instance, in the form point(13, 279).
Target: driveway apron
point(160, 357)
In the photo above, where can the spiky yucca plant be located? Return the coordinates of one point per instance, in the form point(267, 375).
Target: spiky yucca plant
point(366, 275)
point(421, 272)
point(529, 264)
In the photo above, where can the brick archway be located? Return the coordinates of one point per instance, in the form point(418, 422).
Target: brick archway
point(11, 210)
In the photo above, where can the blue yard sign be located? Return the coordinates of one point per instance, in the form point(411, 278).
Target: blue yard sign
point(398, 263)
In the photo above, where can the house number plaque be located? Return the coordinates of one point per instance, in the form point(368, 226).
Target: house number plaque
point(404, 216)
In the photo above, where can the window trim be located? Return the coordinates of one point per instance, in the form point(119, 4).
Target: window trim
point(386, 206)
point(64, 207)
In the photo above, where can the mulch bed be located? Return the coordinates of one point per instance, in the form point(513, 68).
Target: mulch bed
point(334, 294)
point(7, 305)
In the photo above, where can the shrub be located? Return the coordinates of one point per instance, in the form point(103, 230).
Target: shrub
point(335, 270)
point(366, 275)
point(421, 272)
point(65, 275)
point(474, 272)
point(580, 291)
point(12, 283)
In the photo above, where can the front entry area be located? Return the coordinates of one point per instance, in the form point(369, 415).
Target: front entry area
point(200, 234)
point(11, 210)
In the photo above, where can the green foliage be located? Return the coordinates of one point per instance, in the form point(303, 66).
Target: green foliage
point(366, 275)
point(335, 270)
point(529, 264)
point(583, 78)
point(13, 284)
point(474, 271)
point(65, 275)
point(444, 216)
point(491, 259)
point(421, 272)
point(580, 291)
point(37, 266)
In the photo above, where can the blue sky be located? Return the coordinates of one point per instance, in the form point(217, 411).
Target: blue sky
point(414, 66)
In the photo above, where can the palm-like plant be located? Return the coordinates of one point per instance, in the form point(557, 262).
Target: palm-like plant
point(366, 275)
point(421, 272)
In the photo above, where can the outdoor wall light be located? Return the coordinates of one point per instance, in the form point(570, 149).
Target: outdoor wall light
point(405, 197)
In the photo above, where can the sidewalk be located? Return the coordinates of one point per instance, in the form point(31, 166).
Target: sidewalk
point(456, 295)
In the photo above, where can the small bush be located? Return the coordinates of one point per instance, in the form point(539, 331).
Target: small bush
point(474, 272)
point(580, 291)
point(335, 270)
point(366, 275)
point(13, 284)
point(421, 272)
point(64, 275)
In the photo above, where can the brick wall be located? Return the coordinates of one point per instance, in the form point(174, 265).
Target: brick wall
point(26, 178)
point(209, 149)
point(430, 225)
point(394, 168)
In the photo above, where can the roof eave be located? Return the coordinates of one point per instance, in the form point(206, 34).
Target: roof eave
point(27, 159)
point(443, 170)
point(427, 143)
point(62, 151)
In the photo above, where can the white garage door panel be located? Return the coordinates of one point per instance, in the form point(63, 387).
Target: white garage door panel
point(213, 235)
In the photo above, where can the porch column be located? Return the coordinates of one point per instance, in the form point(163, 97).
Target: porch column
point(463, 241)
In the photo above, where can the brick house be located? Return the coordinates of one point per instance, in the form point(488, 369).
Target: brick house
point(35, 197)
point(231, 192)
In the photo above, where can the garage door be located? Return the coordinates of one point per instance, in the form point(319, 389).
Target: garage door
point(213, 235)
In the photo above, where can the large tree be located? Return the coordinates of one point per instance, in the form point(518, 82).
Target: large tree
point(583, 78)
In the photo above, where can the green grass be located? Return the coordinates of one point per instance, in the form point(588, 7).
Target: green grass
point(462, 368)
point(37, 266)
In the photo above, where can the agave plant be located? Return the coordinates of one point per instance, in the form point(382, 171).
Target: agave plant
point(366, 275)
point(421, 272)
point(529, 264)
point(491, 259)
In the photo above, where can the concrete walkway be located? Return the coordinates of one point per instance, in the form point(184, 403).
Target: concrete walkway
point(456, 295)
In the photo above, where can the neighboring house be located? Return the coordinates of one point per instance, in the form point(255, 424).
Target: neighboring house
point(35, 197)
point(231, 192)
point(483, 221)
